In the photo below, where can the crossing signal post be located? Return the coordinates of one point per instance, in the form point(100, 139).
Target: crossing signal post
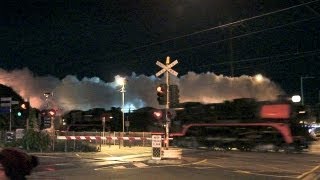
point(167, 68)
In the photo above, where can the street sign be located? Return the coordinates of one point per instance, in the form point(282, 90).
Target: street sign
point(19, 133)
point(14, 102)
point(6, 99)
point(156, 140)
point(167, 68)
point(156, 147)
point(5, 104)
point(9, 136)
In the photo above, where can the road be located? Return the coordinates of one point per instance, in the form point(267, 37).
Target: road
point(136, 163)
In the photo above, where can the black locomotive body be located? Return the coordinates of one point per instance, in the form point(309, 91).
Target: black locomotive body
point(244, 124)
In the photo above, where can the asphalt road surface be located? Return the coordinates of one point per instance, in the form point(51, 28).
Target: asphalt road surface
point(136, 163)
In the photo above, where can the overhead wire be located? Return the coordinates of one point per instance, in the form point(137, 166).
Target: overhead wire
point(296, 56)
point(216, 27)
point(240, 36)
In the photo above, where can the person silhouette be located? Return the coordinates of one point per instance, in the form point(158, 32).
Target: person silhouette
point(16, 164)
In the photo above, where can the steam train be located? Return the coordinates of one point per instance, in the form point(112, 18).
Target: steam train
point(245, 124)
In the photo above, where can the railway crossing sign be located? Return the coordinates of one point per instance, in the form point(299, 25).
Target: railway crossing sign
point(167, 67)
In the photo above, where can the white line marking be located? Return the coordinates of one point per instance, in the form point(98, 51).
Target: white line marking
point(308, 172)
point(119, 167)
point(140, 164)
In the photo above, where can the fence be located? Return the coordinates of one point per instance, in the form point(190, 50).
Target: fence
point(92, 141)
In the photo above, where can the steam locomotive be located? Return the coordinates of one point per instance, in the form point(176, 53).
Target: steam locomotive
point(245, 124)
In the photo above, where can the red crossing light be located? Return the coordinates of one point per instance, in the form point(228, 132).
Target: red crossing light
point(158, 114)
point(51, 112)
point(48, 113)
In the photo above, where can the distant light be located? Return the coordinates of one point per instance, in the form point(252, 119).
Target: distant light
point(302, 112)
point(296, 98)
point(258, 77)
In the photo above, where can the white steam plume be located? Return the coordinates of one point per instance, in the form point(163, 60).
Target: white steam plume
point(71, 93)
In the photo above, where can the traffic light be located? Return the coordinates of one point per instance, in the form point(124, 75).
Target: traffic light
point(22, 111)
point(47, 116)
point(174, 96)
point(162, 94)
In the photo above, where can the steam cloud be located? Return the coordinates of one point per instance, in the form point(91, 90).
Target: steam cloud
point(71, 93)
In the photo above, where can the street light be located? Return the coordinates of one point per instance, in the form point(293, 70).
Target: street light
point(122, 81)
point(301, 87)
point(258, 78)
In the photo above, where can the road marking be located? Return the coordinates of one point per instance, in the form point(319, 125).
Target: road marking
point(244, 172)
point(124, 158)
point(215, 165)
point(136, 164)
point(308, 172)
point(241, 171)
point(119, 167)
point(200, 161)
point(140, 164)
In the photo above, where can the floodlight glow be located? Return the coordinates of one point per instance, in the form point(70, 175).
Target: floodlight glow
point(120, 80)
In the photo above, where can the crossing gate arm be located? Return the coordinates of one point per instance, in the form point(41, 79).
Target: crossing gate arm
point(104, 138)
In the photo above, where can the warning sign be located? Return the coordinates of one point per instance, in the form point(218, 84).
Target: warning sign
point(156, 140)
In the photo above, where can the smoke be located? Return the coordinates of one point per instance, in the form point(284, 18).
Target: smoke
point(71, 93)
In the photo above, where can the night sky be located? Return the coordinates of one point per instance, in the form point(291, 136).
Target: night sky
point(86, 38)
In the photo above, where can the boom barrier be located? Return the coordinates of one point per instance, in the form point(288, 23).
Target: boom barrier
point(102, 138)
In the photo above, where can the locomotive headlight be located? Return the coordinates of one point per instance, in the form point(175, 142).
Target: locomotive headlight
point(296, 98)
